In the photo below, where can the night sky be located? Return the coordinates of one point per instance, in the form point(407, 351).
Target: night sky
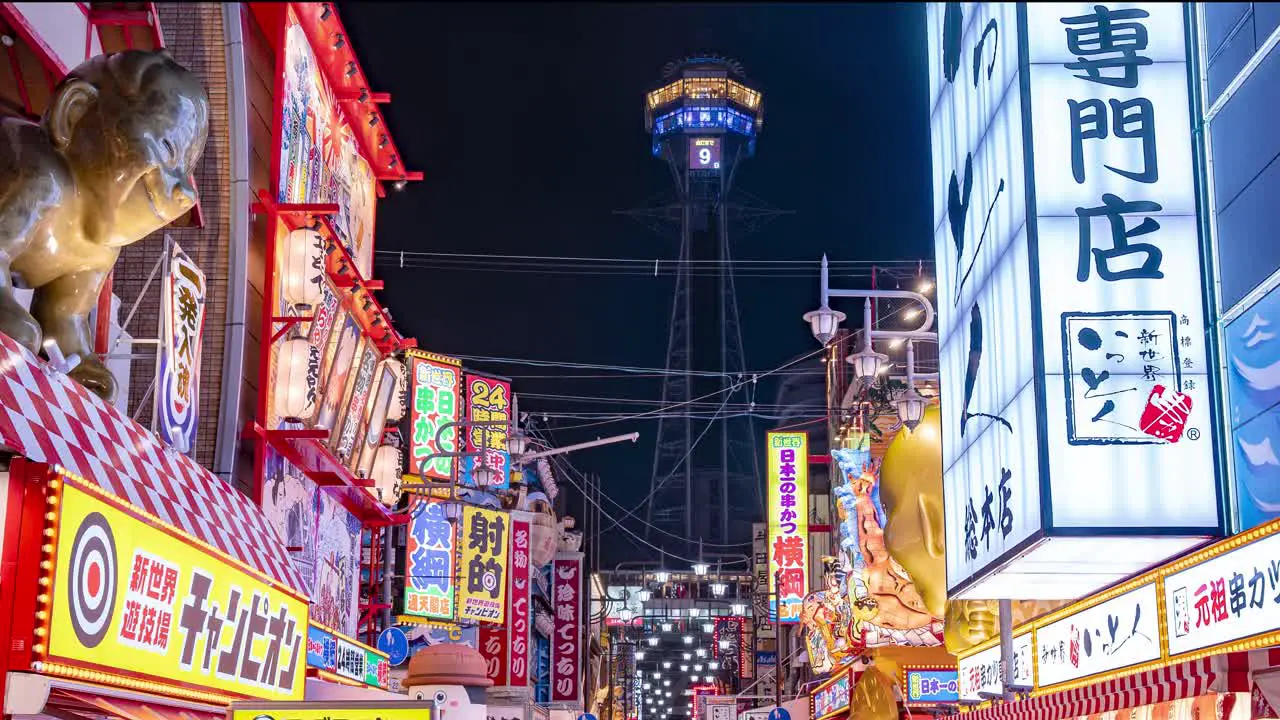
point(528, 122)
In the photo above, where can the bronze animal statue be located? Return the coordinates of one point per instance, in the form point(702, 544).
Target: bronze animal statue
point(109, 163)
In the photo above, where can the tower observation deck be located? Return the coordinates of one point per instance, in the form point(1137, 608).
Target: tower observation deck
point(703, 121)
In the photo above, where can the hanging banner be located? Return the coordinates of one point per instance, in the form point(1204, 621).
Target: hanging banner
point(493, 647)
point(727, 644)
point(182, 326)
point(429, 561)
point(483, 539)
point(746, 652)
point(488, 400)
point(433, 404)
point(518, 610)
point(137, 599)
point(788, 524)
point(566, 641)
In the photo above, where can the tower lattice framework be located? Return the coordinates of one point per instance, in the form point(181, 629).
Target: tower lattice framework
point(704, 122)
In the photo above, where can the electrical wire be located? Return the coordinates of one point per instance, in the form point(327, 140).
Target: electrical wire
point(755, 377)
point(617, 521)
point(918, 263)
point(559, 461)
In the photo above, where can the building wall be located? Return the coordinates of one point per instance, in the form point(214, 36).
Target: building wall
point(194, 35)
point(1244, 175)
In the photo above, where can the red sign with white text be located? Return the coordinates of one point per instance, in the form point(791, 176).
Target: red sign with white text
point(566, 644)
point(493, 646)
point(518, 603)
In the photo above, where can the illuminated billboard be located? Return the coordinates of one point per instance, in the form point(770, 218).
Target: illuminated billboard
point(788, 508)
point(1070, 303)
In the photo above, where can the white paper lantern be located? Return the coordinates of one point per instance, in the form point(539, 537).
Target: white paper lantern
point(400, 400)
point(302, 267)
point(388, 465)
point(297, 379)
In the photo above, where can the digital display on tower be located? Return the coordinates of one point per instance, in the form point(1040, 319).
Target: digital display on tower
point(704, 153)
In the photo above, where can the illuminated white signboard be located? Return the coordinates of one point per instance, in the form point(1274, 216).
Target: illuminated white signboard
point(1118, 633)
point(982, 673)
point(1233, 596)
point(1070, 306)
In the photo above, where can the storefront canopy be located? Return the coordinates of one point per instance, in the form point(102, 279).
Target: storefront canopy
point(1183, 680)
point(50, 418)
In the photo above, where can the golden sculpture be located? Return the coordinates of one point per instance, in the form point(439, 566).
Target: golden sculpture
point(108, 164)
point(873, 697)
point(911, 491)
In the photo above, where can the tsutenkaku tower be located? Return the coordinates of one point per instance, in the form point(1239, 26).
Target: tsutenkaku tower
point(703, 122)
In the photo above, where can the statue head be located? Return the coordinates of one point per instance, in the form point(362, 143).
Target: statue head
point(911, 492)
point(131, 127)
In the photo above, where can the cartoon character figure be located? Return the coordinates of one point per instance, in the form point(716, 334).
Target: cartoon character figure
point(110, 162)
point(453, 677)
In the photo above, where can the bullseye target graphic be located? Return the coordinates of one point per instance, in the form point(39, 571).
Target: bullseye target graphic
point(91, 580)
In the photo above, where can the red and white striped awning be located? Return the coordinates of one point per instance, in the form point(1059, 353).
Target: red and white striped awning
point(1183, 680)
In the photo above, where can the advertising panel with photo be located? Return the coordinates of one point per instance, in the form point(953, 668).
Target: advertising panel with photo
point(320, 160)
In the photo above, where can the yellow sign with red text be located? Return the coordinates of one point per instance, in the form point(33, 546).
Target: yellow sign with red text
point(135, 599)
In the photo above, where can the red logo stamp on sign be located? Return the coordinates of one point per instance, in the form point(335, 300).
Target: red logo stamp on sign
point(1165, 415)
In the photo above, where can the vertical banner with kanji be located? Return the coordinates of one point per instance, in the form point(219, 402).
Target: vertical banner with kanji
point(433, 404)
point(788, 508)
point(483, 541)
point(518, 611)
point(762, 581)
point(566, 640)
point(727, 645)
point(178, 379)
point(488, 400)
point(429, 561)
point(493, 647)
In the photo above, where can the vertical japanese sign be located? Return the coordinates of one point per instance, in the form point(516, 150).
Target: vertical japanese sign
point(433, 404)
point(519, 614)
point(493, 647)
point(488, 400)
point(429, 561)
point(788, 524)
point(727, 645)
point(141, 599)
point(182, 326)
point(1122, 305)
point(566, 640)
point(762, 584)
point(1069, 287)
point(483, 540)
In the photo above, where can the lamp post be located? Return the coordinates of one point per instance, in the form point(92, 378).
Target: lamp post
point(866, 362)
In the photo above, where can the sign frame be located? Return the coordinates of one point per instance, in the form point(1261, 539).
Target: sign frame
point(54, 654)
point(907, 670)
point(793, 445)
point(846, 675)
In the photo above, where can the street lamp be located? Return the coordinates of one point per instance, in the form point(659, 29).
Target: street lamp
point(644, 595)
point(667, 666)
point(639, 654)
point(700, 569)
point(738, 609)
point(718, 589)
point(702, 652)
point(661, 576)
point(824, 322)
point(708, 627)
point(653, 642)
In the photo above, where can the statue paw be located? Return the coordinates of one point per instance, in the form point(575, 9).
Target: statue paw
point(19, 325)
point(95, 377)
